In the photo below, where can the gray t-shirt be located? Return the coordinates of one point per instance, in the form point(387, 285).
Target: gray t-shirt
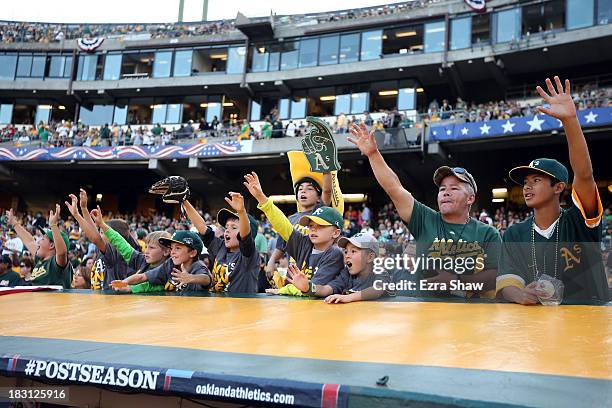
point(162, 275)
point(109, 266)
point(346, 283)
point(319, 266)
point(234, 272)
point(294, 219)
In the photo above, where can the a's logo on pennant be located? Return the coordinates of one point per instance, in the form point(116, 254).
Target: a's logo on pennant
point(320, 147)
point(477, 5)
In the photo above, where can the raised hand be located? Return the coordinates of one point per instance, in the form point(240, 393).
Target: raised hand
point(560, 100)
point(11, 219)
point(254, 186)
point(54, 215)
point(236, 201)
point(73, 205)
point(96, 215)
point(83, 198)
point(363, 139)
point(297, 277)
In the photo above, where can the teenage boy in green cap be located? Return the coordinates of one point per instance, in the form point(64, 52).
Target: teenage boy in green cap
point(182, 272)
point(236, 260)
point(315, 254)
point(357, 281)
point(563, 244)
point(52, 266)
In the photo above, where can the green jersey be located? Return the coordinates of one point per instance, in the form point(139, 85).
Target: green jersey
point(48, 272)
point(572, 254)
point(9, 279)
point(465, 249)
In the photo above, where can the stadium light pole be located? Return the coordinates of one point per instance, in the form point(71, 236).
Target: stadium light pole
point(180, 14)
point(205, 11)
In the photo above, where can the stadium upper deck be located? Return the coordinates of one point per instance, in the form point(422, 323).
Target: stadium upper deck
point(401, 55)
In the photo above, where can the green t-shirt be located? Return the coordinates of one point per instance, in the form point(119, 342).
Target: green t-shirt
point(157, 130)
point(460, 248)
point(261, 243)
point(579, 259)
point(44, 134)
point(266, 130)
point(48, 272)
point(9, 279)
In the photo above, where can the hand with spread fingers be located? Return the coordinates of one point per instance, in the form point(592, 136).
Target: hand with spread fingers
point(254, 186)
point(236, 201)
point(297, 278)
point(363, 139)
point(560, 100)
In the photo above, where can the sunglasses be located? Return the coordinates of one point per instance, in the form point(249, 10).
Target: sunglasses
point(22, 265)
point(459, 170)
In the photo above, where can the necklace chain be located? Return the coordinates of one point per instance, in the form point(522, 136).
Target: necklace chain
point(536, 272)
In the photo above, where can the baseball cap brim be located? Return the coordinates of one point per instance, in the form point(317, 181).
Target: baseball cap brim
point(305, 220)
point(168, 241)
point(224, 214)
point(49, 235)
point(519, 173)
point(442, 172)
point(344, 241)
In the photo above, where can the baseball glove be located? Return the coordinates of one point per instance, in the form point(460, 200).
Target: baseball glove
point(174, 189)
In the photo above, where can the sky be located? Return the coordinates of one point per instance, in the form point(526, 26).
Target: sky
point(119, 11)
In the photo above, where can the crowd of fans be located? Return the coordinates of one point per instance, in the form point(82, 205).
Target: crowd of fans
point(384, 223)
point(586, 97)
point(17, 31)
point(11, 32)
point(376, 11)
point(66, 133)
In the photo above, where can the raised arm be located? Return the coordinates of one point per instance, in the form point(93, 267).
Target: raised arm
point(125, 249)
point(562, 107)
point(279, 221)
point(388, 180)
point(331, 194)
point(89, 228)
point(28, 240)
point(61, 251)
point(195, 217)
point(237, 203)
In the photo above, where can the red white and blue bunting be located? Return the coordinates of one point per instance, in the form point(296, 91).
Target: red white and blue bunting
point(126, 152)
point(477, 5)
point(89, 44)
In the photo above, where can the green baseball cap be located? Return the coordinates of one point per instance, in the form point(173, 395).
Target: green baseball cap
point(49, 234)
point(224, 214)
point(188, 238)
point(550, 167)
point(323, 216)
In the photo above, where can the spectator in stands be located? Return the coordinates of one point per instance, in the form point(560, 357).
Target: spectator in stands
point(13, 244)
point(341, 123)
point(105, 135)
point(8, 277)
point(25, 268)
point(266, 128)
point(290, 130)
point(82, 276)
point(245, 131)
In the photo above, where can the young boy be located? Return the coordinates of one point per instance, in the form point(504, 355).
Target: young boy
point(52, 266)
point(356, 282)
point(183, 272)
point(312, 190)
point(236, 261)
point(563, 244)
point(109, 264)
point(154, 255)
point(316, 253)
